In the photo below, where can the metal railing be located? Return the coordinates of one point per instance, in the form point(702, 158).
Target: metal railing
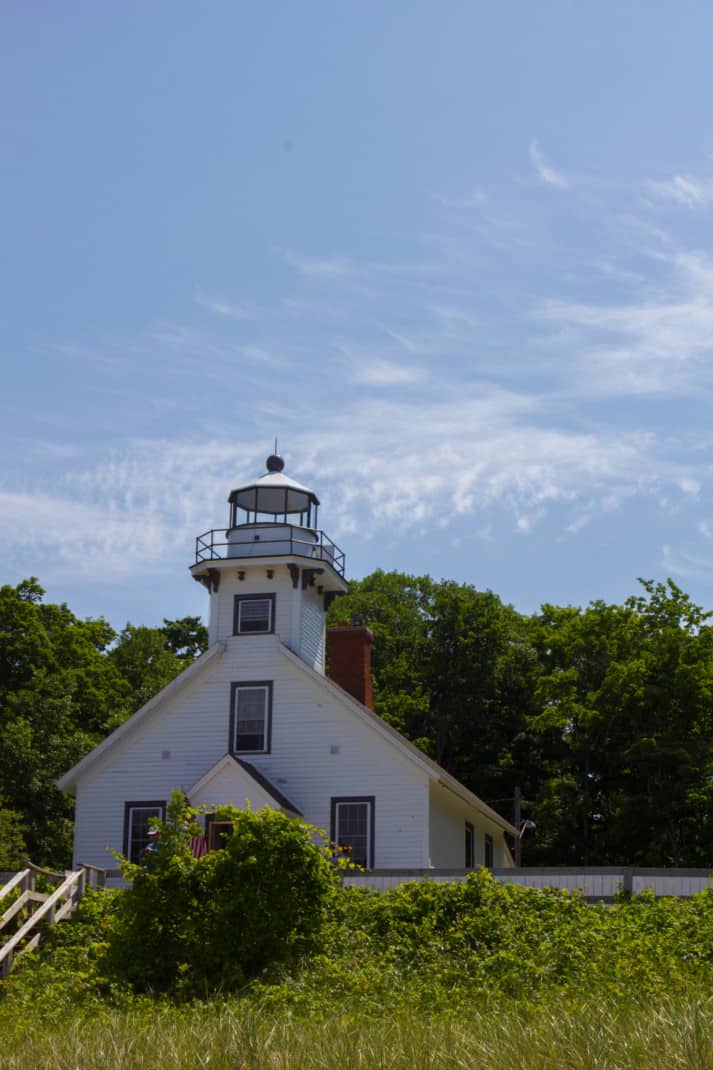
point(47, 907)
point(287, 541)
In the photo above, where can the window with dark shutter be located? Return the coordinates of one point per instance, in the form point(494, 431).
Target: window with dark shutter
point(469, 845)
point(138, 817)
point(254, 614)
point(250, 717)
point(488, 851)
point(353, 828)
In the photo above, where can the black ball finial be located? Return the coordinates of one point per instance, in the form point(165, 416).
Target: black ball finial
point(274, 463)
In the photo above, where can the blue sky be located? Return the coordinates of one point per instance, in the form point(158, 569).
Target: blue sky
point(457, 257)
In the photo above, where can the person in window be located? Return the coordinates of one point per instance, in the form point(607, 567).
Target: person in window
point(151, 847)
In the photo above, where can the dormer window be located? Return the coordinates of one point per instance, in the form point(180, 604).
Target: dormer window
point(254, 614)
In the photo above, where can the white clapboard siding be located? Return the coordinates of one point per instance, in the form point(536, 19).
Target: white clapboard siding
point(312, 632)
point(448, 815)
point(288, 600)
point(319, 750)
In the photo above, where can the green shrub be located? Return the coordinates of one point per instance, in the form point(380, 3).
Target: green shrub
point(252, 912)
point(67, 973)
point(192, 925)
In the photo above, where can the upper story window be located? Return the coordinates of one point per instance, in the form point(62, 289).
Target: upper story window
point(254, 614)
point(251, 717)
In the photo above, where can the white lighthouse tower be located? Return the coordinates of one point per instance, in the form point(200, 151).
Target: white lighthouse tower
point(272, 570)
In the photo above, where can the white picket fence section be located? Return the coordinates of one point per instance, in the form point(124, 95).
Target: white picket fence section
point(595, 883)
point(47, 907)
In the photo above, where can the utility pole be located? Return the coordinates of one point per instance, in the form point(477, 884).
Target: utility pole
point(517, 817)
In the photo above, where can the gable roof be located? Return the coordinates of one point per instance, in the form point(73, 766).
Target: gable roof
point(228, 761)
point(367, 716)
point(408, 749)
point(69, 780)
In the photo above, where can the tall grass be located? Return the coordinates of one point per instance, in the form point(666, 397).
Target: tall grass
point(426, 977)
point(230, 1035)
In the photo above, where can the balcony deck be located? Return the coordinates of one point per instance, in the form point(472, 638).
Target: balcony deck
point(269, 540)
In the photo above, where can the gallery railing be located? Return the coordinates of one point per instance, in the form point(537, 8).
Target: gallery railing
point(261, 540)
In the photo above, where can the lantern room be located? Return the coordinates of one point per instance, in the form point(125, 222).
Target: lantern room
point(274, 516)
point(275, 499)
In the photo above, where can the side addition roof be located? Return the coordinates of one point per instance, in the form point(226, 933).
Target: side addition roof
point(433, 769)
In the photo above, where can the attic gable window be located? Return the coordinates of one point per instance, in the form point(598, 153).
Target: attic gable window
point(254, 614)
point(250, 717)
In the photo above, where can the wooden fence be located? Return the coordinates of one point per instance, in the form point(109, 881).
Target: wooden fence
point(45, 907)
point(595, 883)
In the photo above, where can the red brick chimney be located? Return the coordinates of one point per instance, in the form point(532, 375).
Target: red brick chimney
point(349, 654)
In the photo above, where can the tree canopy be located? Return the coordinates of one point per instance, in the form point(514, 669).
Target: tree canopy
point(601, 716)
point(64, 684)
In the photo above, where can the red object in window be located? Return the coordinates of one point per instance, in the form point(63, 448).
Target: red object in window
point(199, 846)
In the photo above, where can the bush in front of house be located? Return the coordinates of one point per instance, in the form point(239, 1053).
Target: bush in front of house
point(192, 925)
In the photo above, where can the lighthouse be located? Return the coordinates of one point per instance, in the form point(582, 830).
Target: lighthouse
point(272, 570)
point(255, 721)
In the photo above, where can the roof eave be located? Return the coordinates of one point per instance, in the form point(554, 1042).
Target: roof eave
point(68, 781)
point(433, 769)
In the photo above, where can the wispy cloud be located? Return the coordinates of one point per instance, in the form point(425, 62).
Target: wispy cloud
point(547, 173)
point(88, 354)
point(476, 198)
point(686, 565)
point(386, 373)
point(379, 465)
point(651, 346)
point(242, 310)
point(683, 189)
point(452, 316)
point(334, 267)
point(201, 347)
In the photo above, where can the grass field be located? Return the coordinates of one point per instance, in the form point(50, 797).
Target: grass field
point(427, 976)
point(232, 1035)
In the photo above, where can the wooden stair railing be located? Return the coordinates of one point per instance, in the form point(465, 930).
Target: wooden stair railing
point(43, 906)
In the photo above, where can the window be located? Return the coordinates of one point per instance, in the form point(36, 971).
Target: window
point(469, 845)
point(137, 817)
point(353, 828)
point(254, 614)
point(488, 851)
point(216, 833)
point(250, 717)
